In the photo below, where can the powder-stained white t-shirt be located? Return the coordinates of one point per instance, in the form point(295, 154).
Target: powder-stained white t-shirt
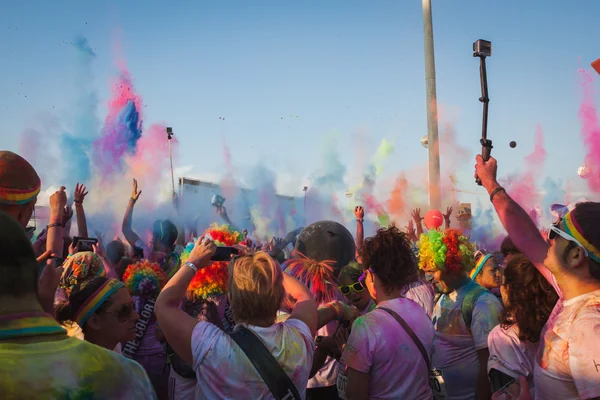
point(224, 372)
point(422, 293)
point(327, 375)
point(455, 347)
point(568, 359)
point(380, 346)
point(511, 355)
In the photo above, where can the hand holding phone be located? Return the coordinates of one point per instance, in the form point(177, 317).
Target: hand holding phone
point(84, 244)
point(224, 253)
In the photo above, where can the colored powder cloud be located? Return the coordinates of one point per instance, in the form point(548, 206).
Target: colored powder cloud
point(590, 130)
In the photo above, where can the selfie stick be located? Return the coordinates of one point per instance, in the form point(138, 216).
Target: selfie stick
point(483, 49)
point(169, 137)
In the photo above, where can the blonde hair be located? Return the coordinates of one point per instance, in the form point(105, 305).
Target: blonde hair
point(255, 287)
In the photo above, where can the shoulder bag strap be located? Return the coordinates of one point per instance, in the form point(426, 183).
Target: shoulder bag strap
point(411, 333)
point(280, 385)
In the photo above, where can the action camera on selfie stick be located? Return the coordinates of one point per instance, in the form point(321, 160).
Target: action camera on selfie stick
point(482, 49)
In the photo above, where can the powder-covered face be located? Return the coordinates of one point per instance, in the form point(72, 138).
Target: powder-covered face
point(489, 277)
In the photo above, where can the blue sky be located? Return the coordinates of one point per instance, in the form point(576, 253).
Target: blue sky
point(340, 66)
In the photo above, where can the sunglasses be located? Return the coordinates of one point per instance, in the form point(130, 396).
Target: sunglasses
point(554, 232)
point(123, 313)
point(356, 286)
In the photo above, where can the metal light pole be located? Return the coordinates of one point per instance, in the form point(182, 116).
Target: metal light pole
point(433, 147)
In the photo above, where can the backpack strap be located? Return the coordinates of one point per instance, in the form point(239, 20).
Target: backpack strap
point(411, 333)
point(278, 382)
point(469, 303)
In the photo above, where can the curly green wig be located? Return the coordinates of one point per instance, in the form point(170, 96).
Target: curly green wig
point(448, 250)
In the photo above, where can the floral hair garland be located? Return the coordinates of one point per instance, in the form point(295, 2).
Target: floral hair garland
point(211, 282)
point(447, 250)
point(144, 278)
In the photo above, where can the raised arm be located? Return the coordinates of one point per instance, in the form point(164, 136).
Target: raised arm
point(416, 214)
point(305, 308)
point(517, 222)
point(128, 232)
point(176, 325)
point(80, 193)
point(447, 217)
point(359, 213)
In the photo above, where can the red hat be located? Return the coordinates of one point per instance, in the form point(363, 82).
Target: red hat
point(19, 183)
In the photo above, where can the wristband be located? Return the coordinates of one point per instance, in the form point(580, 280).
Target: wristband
point(191, 266)
point(55, 225)
point(78, 202)
point(132, 199)
point(495, 192)
point(360, 219)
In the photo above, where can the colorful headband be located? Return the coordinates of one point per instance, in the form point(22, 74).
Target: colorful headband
point(447, 250)
point(479, 265)
point(16, 197)
point(573, 229)
point(144, 278)
point(96, 300)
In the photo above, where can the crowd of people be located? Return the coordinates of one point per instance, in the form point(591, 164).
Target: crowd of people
point(415, 313)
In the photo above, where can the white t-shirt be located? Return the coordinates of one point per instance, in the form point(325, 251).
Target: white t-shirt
point(455, 347)
point(378, 345)
point(327, 375)
point(568, 359)
point(180, 388)
point(422, 293)
point(510, 355)
point(224, 372)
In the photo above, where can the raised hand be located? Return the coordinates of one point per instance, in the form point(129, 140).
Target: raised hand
point(58, 201)
point(359, 212)
point(448, 214)
point(80, 193)
point(416, 214)
point(73, 248)
point(135, 193)
point(202, 253)
point(486, 171)
point(98, 249)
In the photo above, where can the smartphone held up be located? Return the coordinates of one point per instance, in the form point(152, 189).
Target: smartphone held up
point(84, 244)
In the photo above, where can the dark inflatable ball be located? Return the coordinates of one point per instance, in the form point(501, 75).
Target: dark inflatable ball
point(327, 240)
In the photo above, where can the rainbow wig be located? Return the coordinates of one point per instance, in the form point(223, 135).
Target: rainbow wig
point(211, 282)
point(144, 278)
point(318, 276)
point(446, 251)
